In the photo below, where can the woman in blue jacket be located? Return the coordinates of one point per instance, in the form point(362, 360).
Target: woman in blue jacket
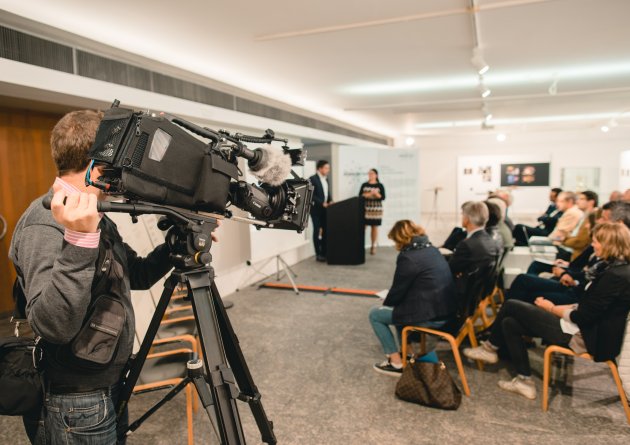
point(422, 293)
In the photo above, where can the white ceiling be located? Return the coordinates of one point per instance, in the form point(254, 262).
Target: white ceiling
point(396, 67)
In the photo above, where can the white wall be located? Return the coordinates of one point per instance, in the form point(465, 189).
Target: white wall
point(579, 148)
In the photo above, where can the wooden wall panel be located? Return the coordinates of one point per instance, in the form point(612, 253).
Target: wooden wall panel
point(26, 172)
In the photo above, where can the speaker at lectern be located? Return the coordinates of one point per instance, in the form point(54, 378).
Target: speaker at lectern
point(345, 232)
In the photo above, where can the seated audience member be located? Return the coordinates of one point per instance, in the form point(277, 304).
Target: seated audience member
point(506, 197)
point(596, 325)
point(615, 195)
point(570, 218)
point(422, 292)
point(492, 226)
point(626, 196)
point(504, 230)
point(546, 222)
point(478, 248)
point(580, 238)
point(611, 211)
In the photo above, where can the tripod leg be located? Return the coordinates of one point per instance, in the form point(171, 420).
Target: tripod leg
point(288, 272)
point(241, 371)
point(222, 386)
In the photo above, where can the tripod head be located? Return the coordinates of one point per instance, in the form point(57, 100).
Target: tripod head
point(189, 235)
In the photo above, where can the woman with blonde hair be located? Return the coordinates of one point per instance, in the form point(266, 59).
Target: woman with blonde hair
point(422, 293)
point(596, 325)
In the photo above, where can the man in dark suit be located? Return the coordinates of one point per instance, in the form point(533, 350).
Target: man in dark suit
point(321, 200)
point(546, 222)
point(478, 249)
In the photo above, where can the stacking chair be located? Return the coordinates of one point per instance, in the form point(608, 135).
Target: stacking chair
point(560, 350)
point(476, 285)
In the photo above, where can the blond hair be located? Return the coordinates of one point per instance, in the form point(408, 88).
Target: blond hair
point(71, 139)
point(403, 232)
point(614, 238)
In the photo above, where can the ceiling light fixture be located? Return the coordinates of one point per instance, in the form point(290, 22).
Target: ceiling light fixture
point(501, 137)
point(485, 91)
point(410, 141)
point(522, 77)
point(479, 62)
point(605, 129)
point(518, 121)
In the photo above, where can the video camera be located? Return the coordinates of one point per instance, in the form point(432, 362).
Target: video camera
point(154, 158)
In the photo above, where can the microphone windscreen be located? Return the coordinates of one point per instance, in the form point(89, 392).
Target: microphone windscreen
point(274, 167)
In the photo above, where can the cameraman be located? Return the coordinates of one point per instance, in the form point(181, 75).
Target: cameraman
point(55, 255)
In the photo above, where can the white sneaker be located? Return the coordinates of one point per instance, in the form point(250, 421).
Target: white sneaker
point(519, 385)
point(483, 353)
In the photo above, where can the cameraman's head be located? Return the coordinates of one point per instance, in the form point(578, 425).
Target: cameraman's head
point(70, 141)
point(323, 167)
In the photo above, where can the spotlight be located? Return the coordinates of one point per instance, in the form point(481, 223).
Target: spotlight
point(605, 129)
point(501, 137)
point(410, 141)
point(485, 91)
point(478, 61)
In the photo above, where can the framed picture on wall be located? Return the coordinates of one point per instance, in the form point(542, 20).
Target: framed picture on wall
point(525, 175)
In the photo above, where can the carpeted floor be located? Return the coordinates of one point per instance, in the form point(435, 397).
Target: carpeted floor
point(311, 357)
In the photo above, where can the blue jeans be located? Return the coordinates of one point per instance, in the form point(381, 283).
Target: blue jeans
point(381, 320)
point(87, 418)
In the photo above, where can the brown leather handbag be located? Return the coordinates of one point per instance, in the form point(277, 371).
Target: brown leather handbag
point(428, 384)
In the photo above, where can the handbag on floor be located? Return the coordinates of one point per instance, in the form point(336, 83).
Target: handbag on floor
point(428, 384)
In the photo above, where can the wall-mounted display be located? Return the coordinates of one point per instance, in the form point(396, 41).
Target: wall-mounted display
point(525, 175)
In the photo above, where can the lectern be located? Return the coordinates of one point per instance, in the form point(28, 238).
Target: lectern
point(345, 232)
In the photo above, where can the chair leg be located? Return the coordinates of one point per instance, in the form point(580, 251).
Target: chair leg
point(460, 366)
point(546, 374)
point(403, 347)
point(189, 416)
point(423, 344)
point(473, 340)
point(622, 392)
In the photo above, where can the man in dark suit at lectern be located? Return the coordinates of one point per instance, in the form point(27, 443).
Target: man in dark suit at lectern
point(321, 200)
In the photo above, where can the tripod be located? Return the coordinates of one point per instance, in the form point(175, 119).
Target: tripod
point(218, 385)
point(282, 267)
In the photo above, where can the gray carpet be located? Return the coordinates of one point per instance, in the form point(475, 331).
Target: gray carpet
point(311, 357)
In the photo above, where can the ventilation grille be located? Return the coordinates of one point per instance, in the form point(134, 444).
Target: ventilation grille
point(138, 153)
point(108, 70)
point(21, 47)
point(191, 91)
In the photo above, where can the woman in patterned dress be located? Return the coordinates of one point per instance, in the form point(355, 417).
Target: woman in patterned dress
point(374, 193)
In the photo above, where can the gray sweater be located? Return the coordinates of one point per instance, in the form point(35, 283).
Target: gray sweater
point(57, 283)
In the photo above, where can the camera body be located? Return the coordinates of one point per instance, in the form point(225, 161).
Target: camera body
point(155, 158)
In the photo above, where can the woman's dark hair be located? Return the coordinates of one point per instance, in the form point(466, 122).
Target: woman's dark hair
point(591, 196)
point(321, 163)
point(494, 214)
point(376, 173)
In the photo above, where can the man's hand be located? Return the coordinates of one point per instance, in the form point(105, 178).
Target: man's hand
point(215, 238)
point(567, 280)
point(543, 303)
point(557, 271)
point(561, 263)
point(79, 212)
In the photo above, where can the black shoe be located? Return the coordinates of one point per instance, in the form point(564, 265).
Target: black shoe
point(387, 368)
point(321, 258)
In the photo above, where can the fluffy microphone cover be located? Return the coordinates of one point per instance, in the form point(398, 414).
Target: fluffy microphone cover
point(274, 168)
